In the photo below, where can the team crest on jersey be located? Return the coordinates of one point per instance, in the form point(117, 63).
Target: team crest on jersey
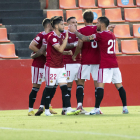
point(64, 74)
point(37, 38)
point(54, 40)
point(40, 80)
point(68, 78)
point(51, 81)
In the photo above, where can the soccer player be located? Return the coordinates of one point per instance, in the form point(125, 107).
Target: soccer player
point(90, 57)
point(71, 66)
point(108, 70)
point(38, 66)
point(54, 68)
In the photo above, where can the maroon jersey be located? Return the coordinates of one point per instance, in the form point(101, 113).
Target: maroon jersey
point(90, 52)
point(68, 58)
point(106, 41)
point(54, 58)
point(41, 60)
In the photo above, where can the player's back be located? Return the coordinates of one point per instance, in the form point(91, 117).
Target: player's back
point(90, 51)
point(54, 58)
point(106, 41)
point(39, 61)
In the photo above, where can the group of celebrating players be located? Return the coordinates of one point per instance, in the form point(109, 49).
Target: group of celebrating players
point(60, 57)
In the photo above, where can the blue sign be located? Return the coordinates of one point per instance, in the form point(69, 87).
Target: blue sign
point(139, 30)
point(125, 2)
point(95, 15)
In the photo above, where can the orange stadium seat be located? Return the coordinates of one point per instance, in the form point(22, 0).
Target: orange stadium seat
point(3, 35)
point(132, 14)
point(76, 13)
point(7, 51)
point(115, 15)
point(124, 3)
point(122, 31)
point(67, 4)
point(97, 13)
point(51, 13)
point(136, 30)
point(87, 4)
point(106, 4)
point(129, 47)
point(117, 49)
point(138, 3)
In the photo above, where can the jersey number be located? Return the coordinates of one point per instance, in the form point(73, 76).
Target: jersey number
point(94, 44)
point(112, 44)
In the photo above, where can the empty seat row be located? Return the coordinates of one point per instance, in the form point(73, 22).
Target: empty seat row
point(128, 47)
point(71, 4)
point(114, 15)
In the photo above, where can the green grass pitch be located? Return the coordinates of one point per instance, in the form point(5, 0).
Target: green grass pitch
point(112, 125)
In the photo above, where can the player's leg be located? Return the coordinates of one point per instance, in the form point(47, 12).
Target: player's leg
point(62, 80)
point(94, 73)
point(41, 108)
point(117, 80)
point(37, 76)
point(104, 76)
point(50, 78)
point(83, 73)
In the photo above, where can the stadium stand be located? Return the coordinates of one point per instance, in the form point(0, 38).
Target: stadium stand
point(138, 3)
point(87, 4)
point(97, 13)
point(67, 4)
point(129, 47)
point(136, 30)
point(51, 13)
point(132, 14)
point(117, 49)
point(115, 15)
point(124, 3)
point(3, 35)
point(7, 51)
point(106, 4)
point(122, 31)
point(76, 13)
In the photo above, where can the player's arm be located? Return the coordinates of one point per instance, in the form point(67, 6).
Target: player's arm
point(79, 35)
point(33, 46)
point(110, 27)
point(78, 49)
point(60, 48)
point(67, 52)
point(41, 51)
point(71, 45)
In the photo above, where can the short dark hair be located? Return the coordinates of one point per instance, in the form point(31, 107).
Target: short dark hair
point(88, 16)
point(56, 20)
point(70, 19)
point(104, 20)
point(46, 21)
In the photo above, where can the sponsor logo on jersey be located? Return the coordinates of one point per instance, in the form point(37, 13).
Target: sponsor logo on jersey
point(64, 74)
point(54, 40)
point(37, 38)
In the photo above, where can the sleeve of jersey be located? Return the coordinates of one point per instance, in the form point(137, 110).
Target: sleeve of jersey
point(44, 41)
point(53, 40)
point(97, 37)
point(38, 38)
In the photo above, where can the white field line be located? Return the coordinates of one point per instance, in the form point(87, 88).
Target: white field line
point(72, 132)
